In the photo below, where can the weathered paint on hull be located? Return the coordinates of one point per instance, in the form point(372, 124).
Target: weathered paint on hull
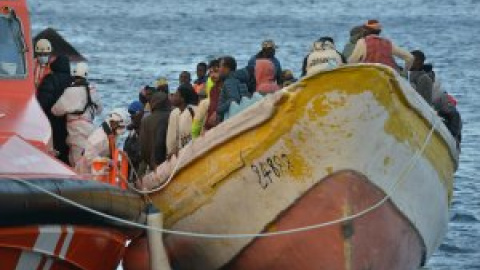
point(381, 239)
point(241, 176)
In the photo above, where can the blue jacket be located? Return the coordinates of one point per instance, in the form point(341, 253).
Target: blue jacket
point(276, 63)
point(232, 91)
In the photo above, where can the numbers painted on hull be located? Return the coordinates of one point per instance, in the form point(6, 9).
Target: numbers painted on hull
point(271, 169)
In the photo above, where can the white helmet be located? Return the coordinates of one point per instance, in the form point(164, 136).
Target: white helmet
point(43, 46)
point(81, 70)
point(120, 116)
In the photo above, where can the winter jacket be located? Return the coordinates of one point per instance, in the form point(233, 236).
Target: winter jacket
point(276, 63)
point(423, 84)
point(80, 103)
point(265, 77)
point(132, 149)
point(149, 129)
point(49, 91)
point(232, 91)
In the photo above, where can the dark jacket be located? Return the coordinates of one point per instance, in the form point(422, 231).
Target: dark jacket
point(232, 91)
point(132, 148)
point(150, 137)
point(49, 91)
point(423, 84)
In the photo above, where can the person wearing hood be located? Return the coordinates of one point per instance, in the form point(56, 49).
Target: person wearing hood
point(49, 91)
point(324, 56)
point(375, 49)
point(80, 104)
point(356, 33)
point(265, 77)
point(233, 89)
point(102, 143)
point(153, 131)
point(419, 78)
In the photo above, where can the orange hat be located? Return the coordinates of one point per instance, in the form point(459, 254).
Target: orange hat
point(373, 24)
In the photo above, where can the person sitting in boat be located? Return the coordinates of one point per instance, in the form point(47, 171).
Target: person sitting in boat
point(80, 103)
point(324, 56)
point(265, 77)
point(185, 78)
point(49, 91)
point(179, 131)
point(132, 142)
point(43, 52)
point(233, 89)
point(102, 142)
point(268, 51)
point(214, 76)
point(356, 33)
point(288, 78)
point(442, 102)
point(199, 83)
point(375, 49)
point(419, 78)
point(154, 129)
point(144, 97)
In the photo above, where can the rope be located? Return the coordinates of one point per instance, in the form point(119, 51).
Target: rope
point(163, 185)
point(411, 164)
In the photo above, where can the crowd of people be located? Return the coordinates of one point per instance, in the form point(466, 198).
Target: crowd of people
point(161, 122)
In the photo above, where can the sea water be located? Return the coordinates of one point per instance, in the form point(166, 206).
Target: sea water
point(129, 43)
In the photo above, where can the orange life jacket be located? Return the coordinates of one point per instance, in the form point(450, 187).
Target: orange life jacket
point(379, 50)
point(114, 171)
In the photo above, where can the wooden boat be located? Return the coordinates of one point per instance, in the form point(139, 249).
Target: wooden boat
point(37, 231)
point(355, 153)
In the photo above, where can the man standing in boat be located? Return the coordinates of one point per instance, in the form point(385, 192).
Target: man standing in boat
point(375, 49)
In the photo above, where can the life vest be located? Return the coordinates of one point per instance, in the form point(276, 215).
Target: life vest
point(114, 172)
point(322, 60)
point(379, 50)
point(89, 104)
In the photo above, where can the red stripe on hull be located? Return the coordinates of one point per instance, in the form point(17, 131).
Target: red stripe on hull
point(381, 239)
point(90, 248)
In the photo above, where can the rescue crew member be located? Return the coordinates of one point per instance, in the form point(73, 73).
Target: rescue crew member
point(43, 52)
point(80, 103)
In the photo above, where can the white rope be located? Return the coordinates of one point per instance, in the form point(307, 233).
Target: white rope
point(164, 184)
point(411, 164)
